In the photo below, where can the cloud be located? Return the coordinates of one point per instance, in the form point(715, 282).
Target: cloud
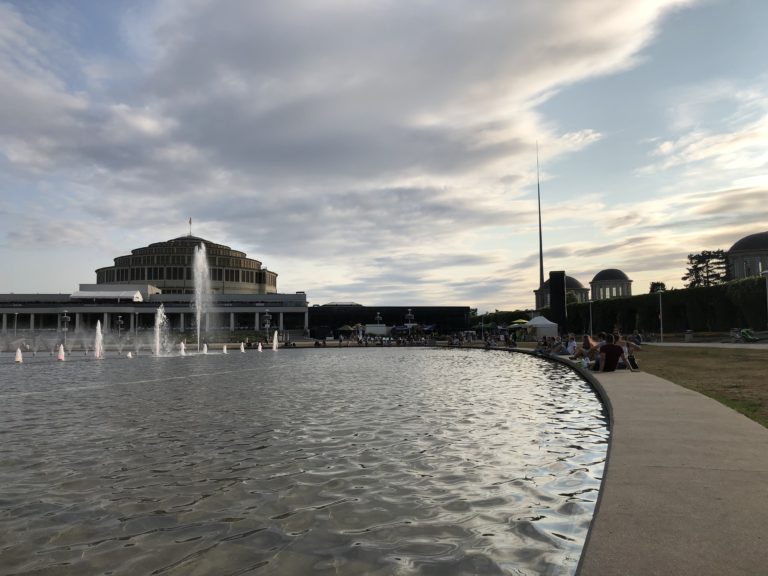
point(722, 127)
point(392, 141)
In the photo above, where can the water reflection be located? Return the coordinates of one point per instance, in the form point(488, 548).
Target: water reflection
point(370, 461)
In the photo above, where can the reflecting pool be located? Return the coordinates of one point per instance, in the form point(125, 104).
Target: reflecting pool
point(314, 461)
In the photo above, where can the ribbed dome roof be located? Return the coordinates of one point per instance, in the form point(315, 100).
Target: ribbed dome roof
point(570, 282)
point(757, 241)
point(610, 274)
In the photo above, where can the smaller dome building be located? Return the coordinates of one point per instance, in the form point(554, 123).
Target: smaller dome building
point(610, 283)
point(571, 285)
point(749, 256)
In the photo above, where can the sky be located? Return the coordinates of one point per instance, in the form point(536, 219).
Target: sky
point(383, 152)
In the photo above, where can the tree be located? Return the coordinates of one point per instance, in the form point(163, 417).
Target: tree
point(705, 269)
point(656, 286)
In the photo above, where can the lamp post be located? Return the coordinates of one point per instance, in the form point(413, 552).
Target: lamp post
point(267, 320)
point(765, 273)
point(377, 318)
point(660, 291)
point(119, 326)
point(66, 320)
point(409, 321)
point(590, 318)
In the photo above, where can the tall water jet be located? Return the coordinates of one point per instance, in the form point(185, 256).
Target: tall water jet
point(161, 331)
point(274, 341)
point(202, 283)
point(98, 342)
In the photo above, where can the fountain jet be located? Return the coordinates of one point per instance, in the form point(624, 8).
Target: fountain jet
point(202, 282)
point(98, 342)
point(161, 331)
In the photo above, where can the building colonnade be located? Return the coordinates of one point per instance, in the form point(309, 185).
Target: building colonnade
point(132, 320)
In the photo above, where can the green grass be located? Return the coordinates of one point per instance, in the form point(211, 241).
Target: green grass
point(735, 377)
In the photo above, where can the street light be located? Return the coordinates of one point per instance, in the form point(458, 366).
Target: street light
point(590, 318)
point(765, 273)
point(409, 321)
point(119, 326)
point(660, 291)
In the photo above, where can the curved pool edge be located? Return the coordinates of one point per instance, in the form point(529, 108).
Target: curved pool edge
point(685, 485)
point(605, 400)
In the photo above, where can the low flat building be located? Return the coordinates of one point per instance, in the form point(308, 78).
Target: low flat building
point(325, 320)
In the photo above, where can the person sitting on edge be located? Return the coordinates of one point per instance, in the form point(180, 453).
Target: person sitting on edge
point(558, 347)
point(570, 347)
point(543, 346)
point(610, 354)
point(629, 347)
point(586, 350)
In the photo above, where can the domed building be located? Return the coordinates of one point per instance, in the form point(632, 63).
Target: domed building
point(571, 285)
point(168, 266)
point(749, 256)
point(610, 283)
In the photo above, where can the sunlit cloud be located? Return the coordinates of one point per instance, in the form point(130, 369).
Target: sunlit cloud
point(380, 153)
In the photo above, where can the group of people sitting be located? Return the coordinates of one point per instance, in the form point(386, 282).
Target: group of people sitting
point(606, 354)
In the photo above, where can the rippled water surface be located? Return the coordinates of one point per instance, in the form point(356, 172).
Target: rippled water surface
point(330, 461)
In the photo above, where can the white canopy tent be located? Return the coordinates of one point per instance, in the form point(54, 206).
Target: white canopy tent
point(541, 327)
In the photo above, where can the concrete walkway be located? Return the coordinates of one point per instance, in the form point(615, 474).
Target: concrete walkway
point(762, 345)
point(686, 486)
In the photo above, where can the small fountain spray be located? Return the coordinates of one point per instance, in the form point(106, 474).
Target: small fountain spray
point(242, 347)
point(259, 348)
point(182, 348)
point(224, 350)
point(274, 341)
point(19, 358)
point(61, 356)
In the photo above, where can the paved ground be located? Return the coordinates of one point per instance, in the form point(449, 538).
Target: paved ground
point(762, 345)
point(686, 488)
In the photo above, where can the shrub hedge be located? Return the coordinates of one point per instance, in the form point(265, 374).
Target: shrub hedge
point(736, 304)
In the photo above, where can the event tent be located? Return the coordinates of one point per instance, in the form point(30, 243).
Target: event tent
point(542, 327)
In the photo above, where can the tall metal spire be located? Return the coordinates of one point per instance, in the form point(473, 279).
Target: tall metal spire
point(541, 246)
